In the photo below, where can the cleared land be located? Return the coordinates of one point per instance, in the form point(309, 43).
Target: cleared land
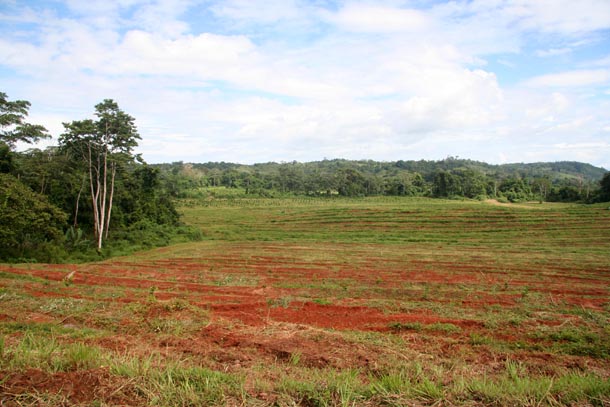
point(325, 302)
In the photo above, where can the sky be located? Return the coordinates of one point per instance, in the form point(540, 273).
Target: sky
point(252, 81)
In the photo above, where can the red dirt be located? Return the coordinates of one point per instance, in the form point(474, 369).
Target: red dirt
point(69, 388)
point(260, 309)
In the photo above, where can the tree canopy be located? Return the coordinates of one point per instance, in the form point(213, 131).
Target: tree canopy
point(13, 124)
point(44, 210)
point(103, 146)
point(28, 222)
point(448, 178)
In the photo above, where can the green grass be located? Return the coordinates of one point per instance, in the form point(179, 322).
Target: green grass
point(48, 354)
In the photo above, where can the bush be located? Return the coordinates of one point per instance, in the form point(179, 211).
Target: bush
point(30, 226)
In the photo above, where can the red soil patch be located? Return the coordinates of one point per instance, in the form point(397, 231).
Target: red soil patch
point(69, 388)
point(328, 316)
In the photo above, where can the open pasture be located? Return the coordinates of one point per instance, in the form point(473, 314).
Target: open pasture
point(324, 302)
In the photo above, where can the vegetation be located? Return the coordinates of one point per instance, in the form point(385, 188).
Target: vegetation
point(448, 178)
point(29, 222)
point(45, 214)
point(331, 283)
point(393, 301)
point(13, 124)
point(102, 147)
point(94, 190)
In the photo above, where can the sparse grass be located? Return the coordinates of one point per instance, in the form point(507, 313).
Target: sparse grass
point(516, 387)
point(177, 385)
point(48, 354)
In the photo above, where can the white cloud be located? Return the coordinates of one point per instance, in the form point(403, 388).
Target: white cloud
point(561, 16)
point(205, 55)
point(294, 79)
point(271, 11)
point(380, 19)
point(577, 78)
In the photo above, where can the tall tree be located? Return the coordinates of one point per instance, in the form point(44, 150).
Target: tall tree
point(102, 145)
point(13, 125)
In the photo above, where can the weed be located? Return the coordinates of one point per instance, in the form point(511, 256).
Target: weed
point(295, 358)
point(410, 326)
point(283, 302)
point(80, 356)
point(176, 304)
point(478, 339)
point(177, 385)
point(152, 298)
point(443, 327)
point(47, 354)
point(132, 366)
point(428, 390)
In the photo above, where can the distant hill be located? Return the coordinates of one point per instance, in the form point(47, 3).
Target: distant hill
point(554, 170)
point(451, 177)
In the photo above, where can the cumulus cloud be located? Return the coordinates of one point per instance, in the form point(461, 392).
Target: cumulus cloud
point(249, 81)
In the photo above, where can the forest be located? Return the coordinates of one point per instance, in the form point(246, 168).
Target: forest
point(452, 178)
point(92, 196)
point(87, 198)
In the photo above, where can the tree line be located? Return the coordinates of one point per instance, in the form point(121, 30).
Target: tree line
point(88, 196)
point(449, 178)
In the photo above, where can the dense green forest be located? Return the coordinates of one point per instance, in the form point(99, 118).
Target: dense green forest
point(92, 196)
point(449, 178)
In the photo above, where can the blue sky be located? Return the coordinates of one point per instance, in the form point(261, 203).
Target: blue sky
point(280, 80)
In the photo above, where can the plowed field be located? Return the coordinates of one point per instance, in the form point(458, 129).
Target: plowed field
point(325, 302)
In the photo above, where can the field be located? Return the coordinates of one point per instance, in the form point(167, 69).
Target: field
point(324, 302)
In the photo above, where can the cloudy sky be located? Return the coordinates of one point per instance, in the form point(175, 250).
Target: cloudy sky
point(280, 80)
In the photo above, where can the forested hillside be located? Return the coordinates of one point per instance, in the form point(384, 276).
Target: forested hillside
point(449, 178)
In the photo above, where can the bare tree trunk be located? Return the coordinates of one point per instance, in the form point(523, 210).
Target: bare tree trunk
point(113, 169)
point(102, 220)
point(94, 194)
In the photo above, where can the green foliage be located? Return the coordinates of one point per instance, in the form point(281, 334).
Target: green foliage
point(143, 198)
point(449, 178)
point(604, 192)
point(94, 177)
point(29, 224)
point(75, 238)
point(6, 159)
point(103, 147)
point(13, 125)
